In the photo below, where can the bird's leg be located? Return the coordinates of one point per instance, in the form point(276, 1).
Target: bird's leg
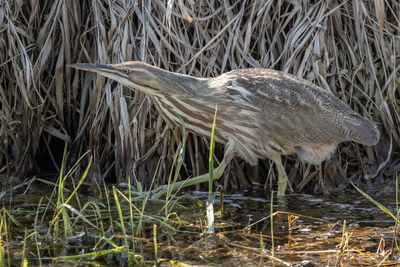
point(282, 177)
point(217, 173)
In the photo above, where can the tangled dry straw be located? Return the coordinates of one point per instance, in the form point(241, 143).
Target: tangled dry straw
point(349, 47)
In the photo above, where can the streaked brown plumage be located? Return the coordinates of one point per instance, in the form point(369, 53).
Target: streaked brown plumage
point(262, 113)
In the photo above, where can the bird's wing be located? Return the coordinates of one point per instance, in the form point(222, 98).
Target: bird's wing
point(295, 112)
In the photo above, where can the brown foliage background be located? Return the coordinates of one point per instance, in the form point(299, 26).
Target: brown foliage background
point(349, 47)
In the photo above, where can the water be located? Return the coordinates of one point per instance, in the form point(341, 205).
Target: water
point(314, 236)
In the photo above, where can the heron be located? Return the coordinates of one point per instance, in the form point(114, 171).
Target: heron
point(262, 113)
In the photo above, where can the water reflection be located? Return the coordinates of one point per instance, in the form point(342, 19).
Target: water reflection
point(307, 231)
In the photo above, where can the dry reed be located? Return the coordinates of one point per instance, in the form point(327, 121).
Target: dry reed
point(349, 47)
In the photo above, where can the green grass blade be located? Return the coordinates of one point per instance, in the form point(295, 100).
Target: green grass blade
point(155, 242)
point(93, 254)
point(178, 159)
point(397, 191)
point(131, 220)
point(272, 225)
point(61, 208)
point(211, 158)
point(121, 218)
point(379, 205)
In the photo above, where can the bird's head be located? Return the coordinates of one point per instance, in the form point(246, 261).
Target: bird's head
point(142, 76)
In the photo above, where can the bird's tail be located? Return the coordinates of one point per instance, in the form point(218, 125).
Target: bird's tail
point(362, 131)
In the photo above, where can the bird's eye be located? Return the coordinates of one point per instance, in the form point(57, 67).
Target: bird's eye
point(126, 71)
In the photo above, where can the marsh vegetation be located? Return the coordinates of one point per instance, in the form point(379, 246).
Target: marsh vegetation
point(90, 201)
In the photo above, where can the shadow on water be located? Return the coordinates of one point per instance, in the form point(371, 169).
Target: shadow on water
point(307, 231)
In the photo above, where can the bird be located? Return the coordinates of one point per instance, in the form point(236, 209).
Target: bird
point(262, 113)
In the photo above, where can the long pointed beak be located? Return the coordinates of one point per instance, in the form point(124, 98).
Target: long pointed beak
point(92, 67)
point(107, 70)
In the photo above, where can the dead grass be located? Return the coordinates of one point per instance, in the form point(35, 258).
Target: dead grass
point(349, 47)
